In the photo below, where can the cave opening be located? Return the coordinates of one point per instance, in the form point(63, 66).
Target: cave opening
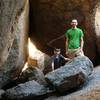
point(35, 55)
point(38, 28)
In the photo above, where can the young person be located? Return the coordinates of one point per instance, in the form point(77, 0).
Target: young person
point(57, 59)
point(74, 40)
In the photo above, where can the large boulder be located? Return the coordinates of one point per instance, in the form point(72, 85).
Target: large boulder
point(71, 75)
point(28, 90)
point(89, 91)
point(13, 37)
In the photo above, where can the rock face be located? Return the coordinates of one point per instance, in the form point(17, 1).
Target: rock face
point(13, 37)
point(51, 19)
point(28, 90)
point(97, 27)
point(72, 75)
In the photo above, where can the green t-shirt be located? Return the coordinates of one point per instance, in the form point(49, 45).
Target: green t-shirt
point(74, 37)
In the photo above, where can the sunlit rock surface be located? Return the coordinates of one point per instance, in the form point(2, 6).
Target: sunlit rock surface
point(36, 57)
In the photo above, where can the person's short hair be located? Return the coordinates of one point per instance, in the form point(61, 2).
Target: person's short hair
point(74, 21)
point(57, 49)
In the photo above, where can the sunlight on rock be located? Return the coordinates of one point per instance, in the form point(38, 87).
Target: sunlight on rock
point(32, 49)
point(97, 22)
point(36, 57)
point(25, 67)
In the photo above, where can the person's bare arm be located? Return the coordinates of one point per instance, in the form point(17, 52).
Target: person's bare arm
point(66, 45)
point(52, 64)
point(67, 59)
point(82, 43)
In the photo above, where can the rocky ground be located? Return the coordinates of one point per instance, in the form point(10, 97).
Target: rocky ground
point(72, 75)
point(90, 90)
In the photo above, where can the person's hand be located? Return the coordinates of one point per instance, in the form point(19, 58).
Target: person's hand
point(67, 59)
point(81, 50)
point(66, 52)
